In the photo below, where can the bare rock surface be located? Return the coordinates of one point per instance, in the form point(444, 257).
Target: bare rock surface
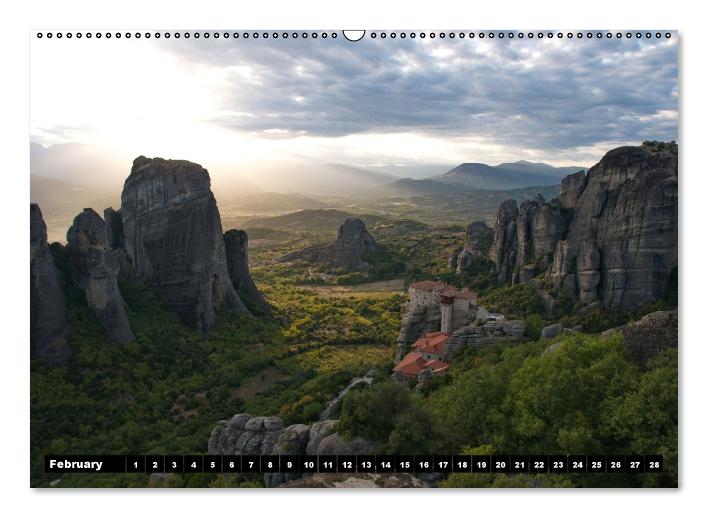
point(650, 335)
point(622, 242)
point(174, 238)
point(95, 269)
point(612, 235)
point(504, 245)
point(49, 326)
point(357, 480)
point(244, 434)
point(479, 241)
point(236, 243)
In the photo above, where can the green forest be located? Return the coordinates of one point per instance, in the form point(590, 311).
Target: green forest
point(165, 392)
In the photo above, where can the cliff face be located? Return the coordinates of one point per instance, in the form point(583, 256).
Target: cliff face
point(479, 240)
point(48, 319)
point(504, 245)
point(95, 268)
point(611, 235)
point(539, 227)
point(115, 239)
point(236, 243)
point(572, 187)
point(622, 242)
point(173, 237)
point(525, 238)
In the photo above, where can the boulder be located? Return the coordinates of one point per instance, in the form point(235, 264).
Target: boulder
point(244, 434)
point(552, 331)
point(648, 336)
point(334, 445)
point(357, 480)
point(514, 328)
point(319, 431)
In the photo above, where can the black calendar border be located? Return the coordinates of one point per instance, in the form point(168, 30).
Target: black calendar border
point(261, 464)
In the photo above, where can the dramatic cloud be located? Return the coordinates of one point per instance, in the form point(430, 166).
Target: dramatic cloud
point(541, 94)
point(376, 102)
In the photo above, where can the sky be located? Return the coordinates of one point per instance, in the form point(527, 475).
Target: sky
point(375, 103)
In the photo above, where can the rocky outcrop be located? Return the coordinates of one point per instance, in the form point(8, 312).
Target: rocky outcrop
point(612, 234)
point(357, 480)
point(484, 335)
point(49, 326)
point(236, 247)
point(414, 324)
point(648, 336)
point(174, 238)
point(621, 243)
point(115, 239)
point(552, 331)
point(95, 269)
point(539, 228)
point(525, 239)
point(504, 245)
point(346, 253)
point(479, 241)
point(353, 241)
point(244, 434)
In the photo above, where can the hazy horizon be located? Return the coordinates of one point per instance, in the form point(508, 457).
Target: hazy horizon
point(402, 108)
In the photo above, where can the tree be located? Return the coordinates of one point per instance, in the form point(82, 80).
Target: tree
point(534, 324)
point(371, 413)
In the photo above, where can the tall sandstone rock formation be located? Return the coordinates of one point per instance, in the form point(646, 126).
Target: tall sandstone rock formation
point(622, 242)
point(49, 326)
point(353, 241)
point(539, 227)
point(504, 245)
point(95, 269)
point(173, 237)
point(611, 235)
point(346, 253)
point(478, 242)
point(236, 243)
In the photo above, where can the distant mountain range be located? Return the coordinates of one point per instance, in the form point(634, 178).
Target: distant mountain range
point(482, 177)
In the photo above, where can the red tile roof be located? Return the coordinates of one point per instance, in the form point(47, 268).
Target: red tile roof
point(436, 366)
point(433, 343)
point(428, 285)
point(411, 364)
point(466, 294)
point(445, 289)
